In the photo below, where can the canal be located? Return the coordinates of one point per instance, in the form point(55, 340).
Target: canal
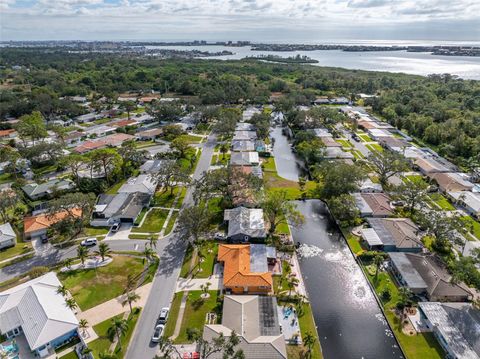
point(349, 321)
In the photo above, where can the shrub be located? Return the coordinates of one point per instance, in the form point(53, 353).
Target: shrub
point(36, 272)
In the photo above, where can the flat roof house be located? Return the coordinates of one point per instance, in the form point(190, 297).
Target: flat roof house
point(35, 191)
point(373, 204)
point(244, 158)
point(37, 226)
point(396, 234)
point(8, 237)
point(426, 275)
point(245, 224)
point(255, 320)
point(456, 327)
point(245, 269)
point(35, 309)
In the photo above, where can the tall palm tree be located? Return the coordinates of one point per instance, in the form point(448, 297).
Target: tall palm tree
point(118, 328)
point(152, 241)
point(71, 304)
point(148, 253)
point(309, 342)
point(82, 253)
point(377, 260)
point(404, 301)
point(130, 298)
point(131, 283)
point(291, 284)
point(61, 289)
point(68, 262)
point(103, 250)
point(83, 325)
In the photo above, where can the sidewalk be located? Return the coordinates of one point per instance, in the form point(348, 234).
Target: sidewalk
point(114, 307)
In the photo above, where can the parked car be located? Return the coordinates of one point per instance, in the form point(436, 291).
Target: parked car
point(89, 242)
point(219, 237)
point(115, 227)
point(162, 318)
point(157, 333)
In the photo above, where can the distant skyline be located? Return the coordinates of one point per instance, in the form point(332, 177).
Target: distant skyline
point(296, 21)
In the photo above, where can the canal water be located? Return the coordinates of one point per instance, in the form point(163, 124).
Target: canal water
point(349, 321)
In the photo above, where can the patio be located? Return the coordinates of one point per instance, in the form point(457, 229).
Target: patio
point(287, 316)
point(16, 348)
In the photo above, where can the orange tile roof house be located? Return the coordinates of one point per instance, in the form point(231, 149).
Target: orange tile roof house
point(37, 226)
point(239, 276)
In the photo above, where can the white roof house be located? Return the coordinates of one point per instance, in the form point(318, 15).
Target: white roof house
point(8, 236)
point(244, 158)
point(470, 200)
point(371, 237)
point(38, 309)
point(143, 183)
point(322, 132)
point(375, 133)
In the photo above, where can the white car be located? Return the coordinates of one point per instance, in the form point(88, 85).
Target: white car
point(115, 227)
point(162, 318)
point(157, 333)
point(89, 242)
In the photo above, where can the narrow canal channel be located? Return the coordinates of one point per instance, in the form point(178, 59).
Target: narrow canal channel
point(349, 321)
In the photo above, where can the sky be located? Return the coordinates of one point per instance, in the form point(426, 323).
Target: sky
point(281, 21)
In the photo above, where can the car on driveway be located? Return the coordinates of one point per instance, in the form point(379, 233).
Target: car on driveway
point(89, 242)
point(157, 333)
point(162, 318)
point(115, 227)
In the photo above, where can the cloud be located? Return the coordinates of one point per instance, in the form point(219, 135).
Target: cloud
point(367, 3)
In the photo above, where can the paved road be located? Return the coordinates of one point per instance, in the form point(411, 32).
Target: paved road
point(357, 144)
point(171, 251)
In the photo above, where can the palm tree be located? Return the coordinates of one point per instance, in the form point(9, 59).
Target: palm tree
point(130, 298)
point(309, 342)
point(148, 253)
point(70, 303)
point(205, 287)
point(103, 250)
point(404, 300)
point(292, 282)
point(82, 253)
point(152, 241)
point(68, 262)
point(61, 289)
point(118, 328)
point(131, 283)
point(83, 324)
point(378, 260)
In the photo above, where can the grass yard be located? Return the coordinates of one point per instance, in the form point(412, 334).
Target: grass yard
point(441, 201)
point(220, 160)
point(153, 222)
point(353, 242)
point(192, 138)
point(186, 262)
point(364, 137)
point(422, 345)
point(91, 287)
point(139, 236)
point(472, 226)
point(18, 249)
point(95, 231)
point(357, 154)
point(121, 348)
point(344, 143)
point(114, 189)
point(144, 144)
point(71, 355)
point(181, 197)
point(204, 269)
point(171, 223)
point(374, 147)
point(6, 177)
point(173, 315)
point(307, 324)
point(102, 344)
point(195, 313)
point(165, 199)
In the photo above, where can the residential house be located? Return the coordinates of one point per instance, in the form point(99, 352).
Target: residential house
point(468, 200)
point(337, 153)
point(322, 132)
point(255, 320)
point(244, 126)
point(143, 183)
point(396, 234)
point(425, 275)
point(123, 123)
point(330, 142)
point(100, 131)
point(368, 186)
point(451, 182)
point(244, 158)
point(245, 224)
point(393, 143)
point(8, 237)
point(113, 140)
point(373, 205)
point(262, 147)
point(377, 133)
point(153, 166)
point(428, 165)
point(243, 145)
point(119, 208)
point(244, 135)
point(249, 112)
point(35, 227)
point(144, 118)
point(8, 134)
point(245, 269)
point(36, 191)
point(149, 135)
point(456, 327)
point(74, 138)
point(36, 311)
point(89, 117)
point(239, 189)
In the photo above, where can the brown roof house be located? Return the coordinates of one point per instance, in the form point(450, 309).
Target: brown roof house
point(395, 235)
point(425, 274)
point(451, 182)
point(373, 204)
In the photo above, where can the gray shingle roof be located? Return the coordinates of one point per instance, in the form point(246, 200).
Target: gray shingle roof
point(246, 221)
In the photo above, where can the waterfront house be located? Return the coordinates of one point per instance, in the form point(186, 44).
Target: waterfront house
point(426, 275)
point(255, 321)
point(245, 224)
point(8, 237)
point(36, 311)
point(368, 186)
point(396, 234)
point(428, 165)
point(245, 269)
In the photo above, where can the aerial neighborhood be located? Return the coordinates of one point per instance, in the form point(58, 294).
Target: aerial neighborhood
point(168, 223)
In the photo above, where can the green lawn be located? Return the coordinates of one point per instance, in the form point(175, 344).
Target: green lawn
point(173, 315)
point(19, 248)
point(472, 226)
point(121, 348)
point(220, 160)
point(192, 138)
point(164, 199)
point(102, 344)
point(144, 144)
point(195, 313)
point(91, 287)
point(374, 147)
point(153, 222)
point(205, 269)
point(181, 197)
point(353, 242)
point(171, 223)
point(307, 325)
point(364, 137)
point(71, 355)
point(441, 201)
point(95, 231)
point(45, 169)
point(114, 189)
point(139, 236)
point(344, 143)
point(6, 177)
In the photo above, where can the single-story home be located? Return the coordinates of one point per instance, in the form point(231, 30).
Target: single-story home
point(8, 133)
point(244, 126)
point(249, 112)
point(377, 133)
point(322, 132)
point(244, 158)
point(119, 208)
point(74, 138)
point(456, 327)
point(123, 123)
point(245, 224)
point(368, 186)
point(255, 320)
point(8, 237)
point(245, 269)
point(153, 166)
point(397, 234)
point(244, 135)
point(468, 200)
point(428, 165)
point(35, 191)
point(393, 143)
point(426, 275)
point(38, 312)
point(100, 131)
point(149, 135)
point(143, 183)
point(451, 182)
point(337, 153)
point(330, 142)
point(373, 204)
point(89, 117)
point(35, 227)
point(243, 145)
point(113, 140)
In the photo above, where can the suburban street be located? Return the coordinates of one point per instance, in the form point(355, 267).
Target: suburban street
point(171, 251)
